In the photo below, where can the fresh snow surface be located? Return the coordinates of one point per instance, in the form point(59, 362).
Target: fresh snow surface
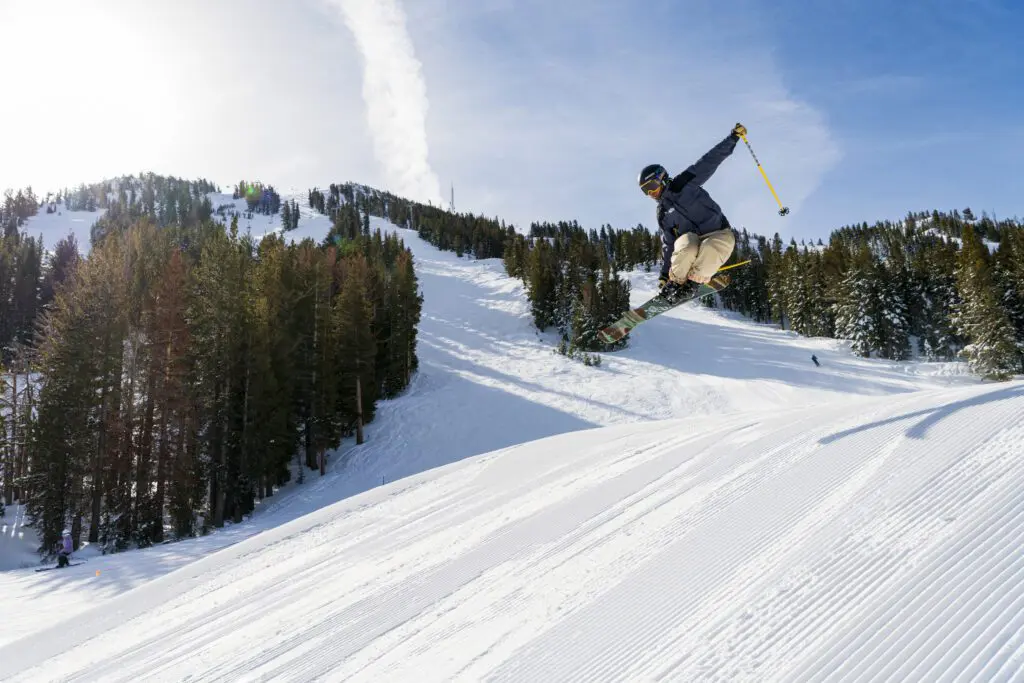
point(17, 541)
point(311, 223)
point(53, 227)
point(707, 505)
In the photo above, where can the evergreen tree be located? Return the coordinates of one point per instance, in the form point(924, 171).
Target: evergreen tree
point(1009, 274)
point(991, 349)
point(274, 437)
point(76, 396)
point(404, 304)
point(893, 326)
point(542, 284)
point(776, 281)
point(286, 217)
point(356, 344)
point(62, 264)
point(855, 319)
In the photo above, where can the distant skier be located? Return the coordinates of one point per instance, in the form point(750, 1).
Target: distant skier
point(815, 359)
point(696, 237)
point(64, 550)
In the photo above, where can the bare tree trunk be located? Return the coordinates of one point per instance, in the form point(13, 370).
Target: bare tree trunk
point(143, 479)
point(182, 488)
point(243, 445)
point(161, 479)
point(128, 454)
point(12, 446)
point(311, 420)
point(218, 494)
point(21, 467)
point(76, 530)
point(97, 470)
point(359, 411)
point(109, 407)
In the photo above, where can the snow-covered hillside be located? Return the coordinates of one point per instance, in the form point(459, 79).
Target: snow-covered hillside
point(706, 505)
point(53, 227)
point(311, 223)
point(495, 382)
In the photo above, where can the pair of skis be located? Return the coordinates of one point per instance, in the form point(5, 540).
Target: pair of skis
point(655, 306)
point(661, 302)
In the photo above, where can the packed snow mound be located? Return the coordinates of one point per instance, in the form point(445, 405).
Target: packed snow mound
point(875, 541)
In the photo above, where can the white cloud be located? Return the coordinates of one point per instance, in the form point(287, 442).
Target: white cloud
point(537, 110)
point(549, 110)
point(395, 95)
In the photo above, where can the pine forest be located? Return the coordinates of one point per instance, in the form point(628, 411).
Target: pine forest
point(178, 374)
point(182, 371)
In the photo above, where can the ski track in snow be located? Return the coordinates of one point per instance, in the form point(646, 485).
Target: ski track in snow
point(838, 543)
point(740, 516)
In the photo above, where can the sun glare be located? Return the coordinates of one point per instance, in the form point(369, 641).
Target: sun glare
point(84, 79)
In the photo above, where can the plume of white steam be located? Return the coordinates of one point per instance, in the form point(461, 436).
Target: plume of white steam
point(395, 95)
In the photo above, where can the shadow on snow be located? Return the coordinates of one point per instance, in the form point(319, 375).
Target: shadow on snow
point(932, 416)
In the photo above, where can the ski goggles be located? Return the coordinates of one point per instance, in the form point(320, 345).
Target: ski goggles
point(652, 187)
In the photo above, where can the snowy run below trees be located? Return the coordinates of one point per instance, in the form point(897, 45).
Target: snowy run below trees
point(707, 504)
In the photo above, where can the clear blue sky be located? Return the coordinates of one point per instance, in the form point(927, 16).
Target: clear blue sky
point(859, 110)
point(926, 100)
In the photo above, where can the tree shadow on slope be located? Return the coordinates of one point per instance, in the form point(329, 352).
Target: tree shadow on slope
point(450, 359)
point(446, 418)
point(932, 416)
point(743, 353)
point(107, 575)
point(443, 418)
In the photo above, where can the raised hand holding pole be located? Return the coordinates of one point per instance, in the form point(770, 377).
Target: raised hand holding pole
point(742, 132)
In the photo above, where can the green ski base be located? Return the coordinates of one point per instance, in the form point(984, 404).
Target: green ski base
point(655, 306)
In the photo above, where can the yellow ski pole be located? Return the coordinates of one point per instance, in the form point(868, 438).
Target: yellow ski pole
point(782, 209)
point(734, 265)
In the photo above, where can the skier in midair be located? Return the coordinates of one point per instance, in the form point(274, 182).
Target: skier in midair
point(696, 236)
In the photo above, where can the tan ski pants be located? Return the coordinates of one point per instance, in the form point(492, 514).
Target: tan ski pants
point(695, 257)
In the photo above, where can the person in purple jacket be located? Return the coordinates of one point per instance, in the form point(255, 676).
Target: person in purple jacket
point(64, 550)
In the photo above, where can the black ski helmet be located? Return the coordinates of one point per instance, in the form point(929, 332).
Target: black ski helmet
point(653, 177)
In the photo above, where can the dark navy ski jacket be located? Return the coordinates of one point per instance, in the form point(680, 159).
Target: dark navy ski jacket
point(685, 206)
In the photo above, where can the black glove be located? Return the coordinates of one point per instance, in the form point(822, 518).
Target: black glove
point(739, 130)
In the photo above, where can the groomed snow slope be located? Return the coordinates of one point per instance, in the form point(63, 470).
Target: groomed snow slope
point(774, 509)
point(488, 379)
point(871, 542)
